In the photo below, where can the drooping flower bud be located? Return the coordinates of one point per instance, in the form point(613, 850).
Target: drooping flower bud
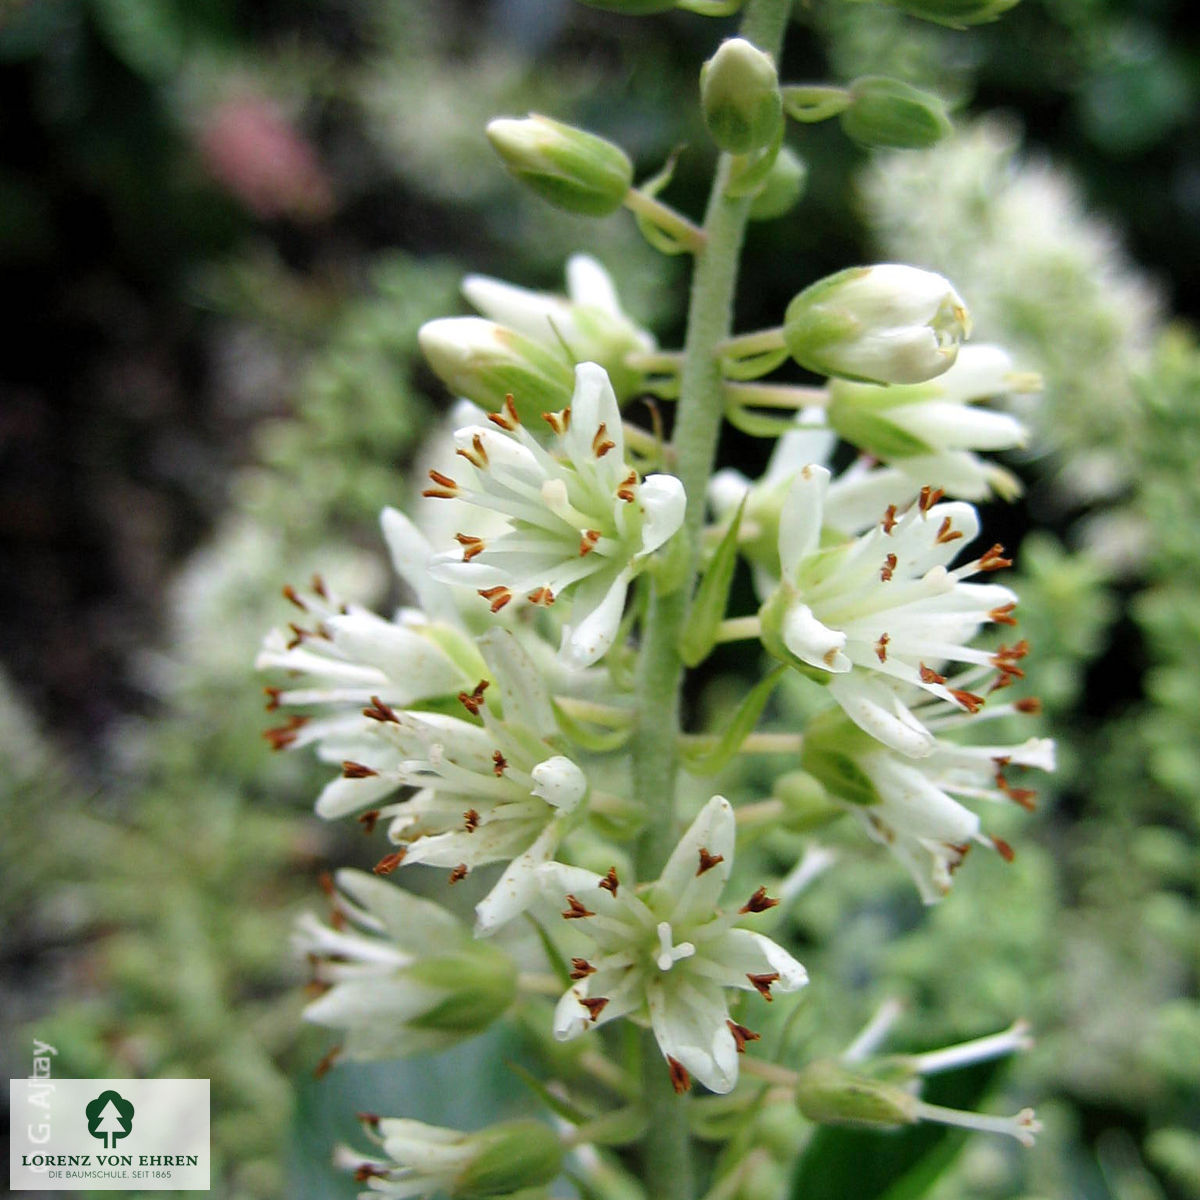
point(572, 169)
point(892, 115)
point(739, 93)
point(958, 14)
point(881, 324)
point(486, 363)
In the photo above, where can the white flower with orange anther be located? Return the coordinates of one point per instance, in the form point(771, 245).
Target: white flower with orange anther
point(581, 522)
point(667, 953)
point(885, 607)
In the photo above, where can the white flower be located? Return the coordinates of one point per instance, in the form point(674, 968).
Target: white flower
point(580, 520)
point(401, 974)
point(914, 806)
point(881, 324)
point(668, 952)
point(884, 606)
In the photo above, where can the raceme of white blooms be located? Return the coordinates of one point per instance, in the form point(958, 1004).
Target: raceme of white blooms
point(398, 974)
point(668, 952)
point(913, 805)
point(582, 523)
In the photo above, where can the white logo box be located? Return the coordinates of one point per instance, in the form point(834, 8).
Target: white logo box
point(148, 1135)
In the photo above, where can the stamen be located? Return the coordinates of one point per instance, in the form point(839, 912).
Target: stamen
point(581, 968)
point(389, 862)
point(996, 1045)
point(458, 873)
point(282, 736)
point(471, 820)
point(499, 596)
point(326, 1064)
point(930, 676)
point(357, 770)
point(993, 559)
point(543, 596)
point(507, 418)
point(971, 702)
point(601, 443)
point(763, 984)
point(471, 545)
point(1030, 705)
point(759, 902)
point(625, 491)
point(881, 647)
point(499, 764)
point(326, 884)
point(365, 1171)
point(681, 1081)
point(1022, 1127)
point(610, 882)
point(318, 586)
point(272, 694)
point(477, 455)
point(368, 821)
point(368, 1118)
point(289, 594)
point(889, 519)
point(929, 497)
point(708, 861)
point(576, 909)
point(558, 421)
point(947, 534)
point(298, 635)
point(595, 1005)
point(473, 701)
point(1003, 614)
point(1005, 851)
point(446, 488)
point(888, 569)
point(587, 543)
point(381, 712)
point(741, 1035)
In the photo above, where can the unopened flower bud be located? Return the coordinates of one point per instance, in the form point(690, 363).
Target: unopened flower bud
point(486, 362)
point(831, 744)
point(782, 188)
point(509, 1157)
point(958, 14)
point(892, 115)
point(881, 324)
point(572, 169)
point(829, 1094)
point(739, 93)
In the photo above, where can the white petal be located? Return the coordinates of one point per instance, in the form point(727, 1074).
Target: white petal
point(517, 888)
point(796, 449)
point(415, 666)
point(522, 689)
point(800, 520)
point(560, 783)
point(340, 796)
point(685, 893)
point(410, 559)
point(664, 501)
point(960, 427)
point(412, 922)
point(812, 642)
point(594, 404)
point(589, 283)
point(689, 1026)
point(592, 631)
point(742, 952)
point(979, 373)
point(876, 710)
point(726, 490)
point(535, 314)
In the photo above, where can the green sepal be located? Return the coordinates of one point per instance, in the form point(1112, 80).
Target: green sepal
point(659, 238)
point(595, 740)
point(754, 366)
point(831, 743)
point(783, 187)
point(479, 985)
point(699, 634)
point(554, 956)
point(749, 172)
point(512, 1155)
point(710, 760)
point(810, 103)
point(670, 565)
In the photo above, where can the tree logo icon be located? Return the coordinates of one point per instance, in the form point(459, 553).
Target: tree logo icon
point(109, 1117)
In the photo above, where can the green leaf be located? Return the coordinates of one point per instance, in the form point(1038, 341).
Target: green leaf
point(711, 759)
point(708, 609)
point(901, 1165)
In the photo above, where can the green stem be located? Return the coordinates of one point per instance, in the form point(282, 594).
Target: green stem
point(666, 1151)
point(777, 395)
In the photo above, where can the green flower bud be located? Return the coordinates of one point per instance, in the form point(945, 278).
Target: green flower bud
point(829, 1094)
point(882, 324)
point(831, 744)
point(893, 116)
point(805, 801)
point(739, 93)
point(572, 169)
point(782, 189)
point(958, 14)
point(485, 363)
point(508, 1157)
point(475, 987)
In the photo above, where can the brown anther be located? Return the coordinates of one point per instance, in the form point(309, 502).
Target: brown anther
point(315, 988)
point(1005, 851)
point(741, 1035)
point(960, 850)
point(587, 543)
point(318, 586)
point(601, 443)
point(458, 873)
point(298, 635)
point(594, 1004)
point(1000, 682)
point(888, 569)
point(477, 455)
point(929, 497)
point(272, 694)
point(889, 519)
point(993, 559)
point(625, 491)
point(507, 417)
point(357, 770)
point(499, 763)
point(498, 596)
point(1007, 666)
point(681, 1081)
point(763, 984)
point(1025, 797)
point(759, 902)
point(946, 533)
point(1003, 614)
point(610, 882)
point(881, 647)
point(283, 736)
point(576, 909)
point(581, 968)
point(290, 594)
point(446, 488)
point(543, 596)
point(1029, 705)
point(708, 861)
point(471, 545)
point(379, 711)
point(389, 862)
point(930, 676)
point(473, 701)
point(558, 421)
point(365, 1171)
point(368, 1118)
point(326, 884)
point(369, 820)
point(471, 820)
point(971, 702)
point(326, 1064)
